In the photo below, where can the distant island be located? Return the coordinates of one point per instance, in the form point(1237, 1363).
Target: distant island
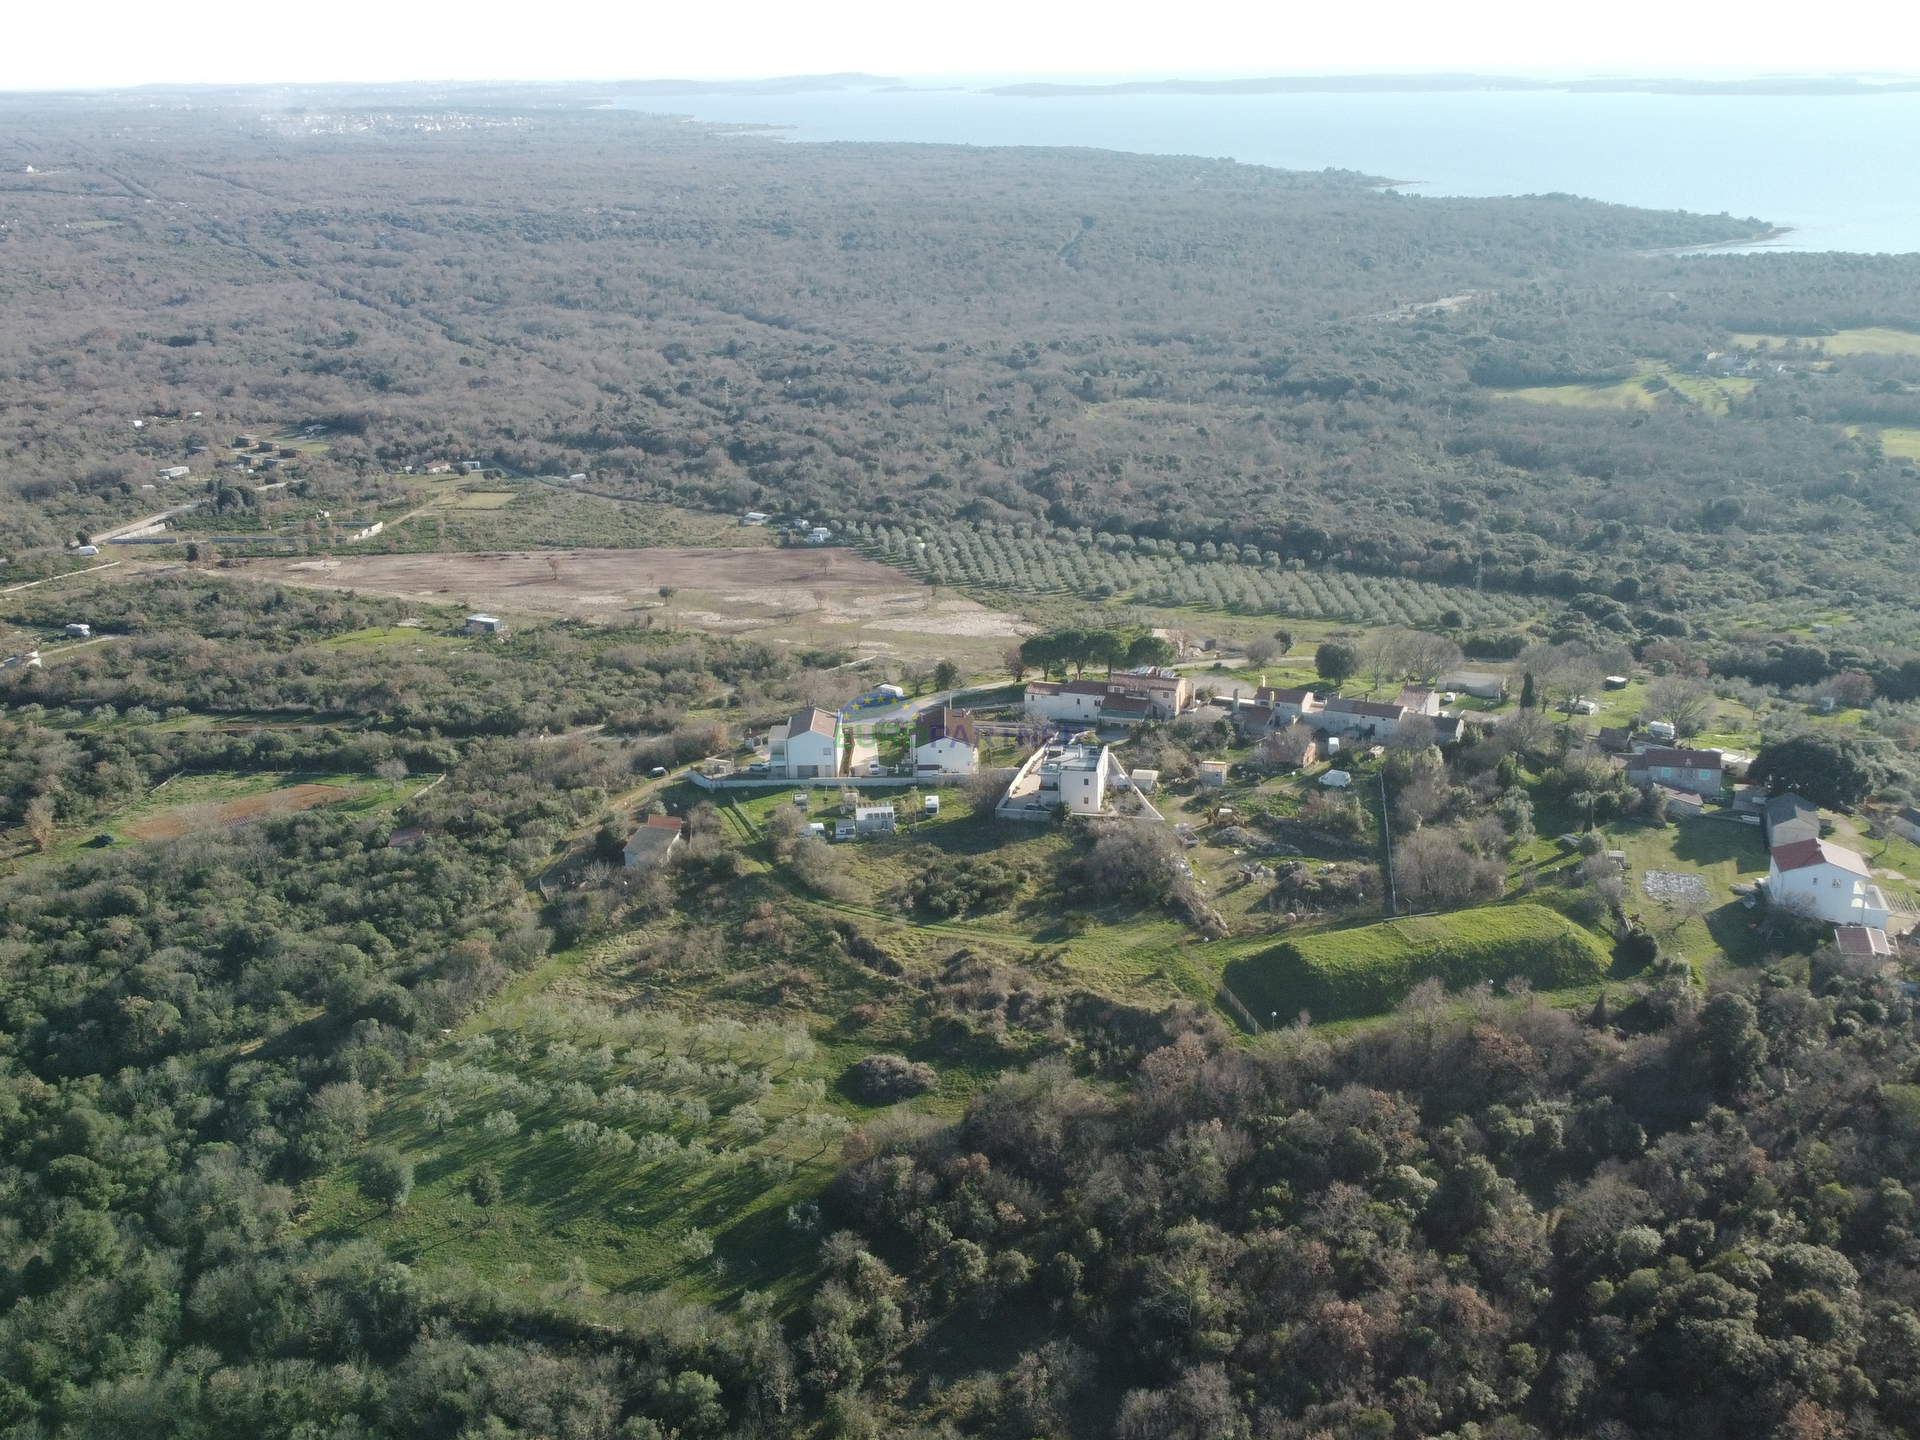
point(1371, 84)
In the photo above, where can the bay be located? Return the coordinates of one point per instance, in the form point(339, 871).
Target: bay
point(1841, 172)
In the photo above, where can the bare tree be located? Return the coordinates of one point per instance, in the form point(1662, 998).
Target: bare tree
point(40, 822)
point(1287, 748)
point(1683, 702)
point(1425, 657)
point(1433, 866)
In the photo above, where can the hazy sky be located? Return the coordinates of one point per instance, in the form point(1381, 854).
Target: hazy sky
point(117, 42)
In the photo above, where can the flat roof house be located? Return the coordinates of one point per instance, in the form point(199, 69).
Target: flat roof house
point(807, 747)
point(1076, 776)
point(1825, 882)
point(653, 841)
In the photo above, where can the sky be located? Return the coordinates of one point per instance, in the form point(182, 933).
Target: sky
point(114, 43)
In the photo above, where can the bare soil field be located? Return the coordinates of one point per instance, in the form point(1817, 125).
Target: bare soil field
point(210, 814)
point(564, 580)
point(795, 596)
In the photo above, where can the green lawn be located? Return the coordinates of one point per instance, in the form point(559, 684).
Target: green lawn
point(1340, 974)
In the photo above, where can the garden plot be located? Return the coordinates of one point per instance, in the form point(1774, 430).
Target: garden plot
point(1675, 887)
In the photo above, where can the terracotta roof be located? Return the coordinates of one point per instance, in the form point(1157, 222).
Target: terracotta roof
point(819, 722)
point(1861, 940)
point(1801, 853)
point(1042, 687)
point(664, 822)
point(1682, 759)
point(1084, 687)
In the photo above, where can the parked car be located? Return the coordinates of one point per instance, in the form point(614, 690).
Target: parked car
point(759, 767)
point(658, 772)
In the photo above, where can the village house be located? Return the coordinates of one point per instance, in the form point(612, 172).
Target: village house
point(653, 841)
point(1369, 719)
point(1076, 776)
point(1417, 700)
point(1287, 706)
point(1166, 692)
point(1700, 771)
point(1825, 882)
point(1087, 703)
point(948, 745)
point(807, 747)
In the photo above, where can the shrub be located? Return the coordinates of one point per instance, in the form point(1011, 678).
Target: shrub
point(888, 1079)
point(386, 1177)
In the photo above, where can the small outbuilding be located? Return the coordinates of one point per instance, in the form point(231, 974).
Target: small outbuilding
point(1336, 779)
point(874, 819)
point(486, 625)
point(79, 631)
point(653, 841)
point(1865, 942)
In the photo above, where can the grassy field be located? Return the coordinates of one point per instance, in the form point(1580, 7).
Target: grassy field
point(1367, 970)
point(1640, 391)
point(1873, 340)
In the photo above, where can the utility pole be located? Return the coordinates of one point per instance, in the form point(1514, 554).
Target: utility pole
point(1386, 834)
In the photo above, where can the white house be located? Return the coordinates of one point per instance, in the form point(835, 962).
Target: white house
point(1287, 706)
point(1076, 776)
point(1824, 882)
point(1369, 718)
point(1418, 700)
point(947, 745)
point(807, 747)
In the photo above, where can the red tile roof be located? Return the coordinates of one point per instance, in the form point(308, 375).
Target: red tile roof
point(1682, 759)
point(664, 822)
point(1799, 854)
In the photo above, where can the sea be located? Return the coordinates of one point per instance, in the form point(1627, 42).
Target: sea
point(1836, 172)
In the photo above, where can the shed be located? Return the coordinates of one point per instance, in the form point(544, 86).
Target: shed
point(1791, 818)
point(486, 625)
point(653, 841)
point(1213, 772)
point(1145, 781)
point(1482, 684)
point(79, 631)
point(1864, 941)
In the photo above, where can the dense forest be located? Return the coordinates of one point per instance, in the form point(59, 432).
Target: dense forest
point(1683, 1212)
point(1170, 349)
